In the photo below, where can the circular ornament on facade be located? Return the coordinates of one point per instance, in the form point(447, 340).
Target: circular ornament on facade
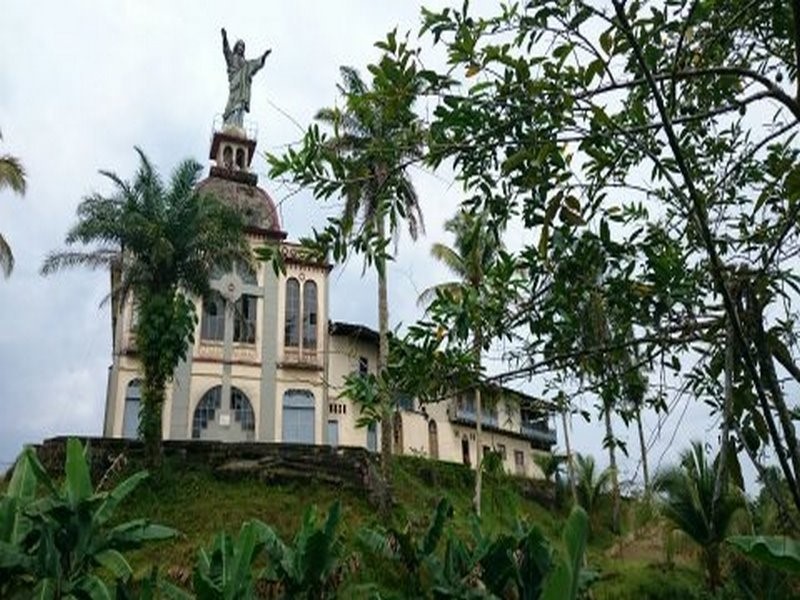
point(230, 287)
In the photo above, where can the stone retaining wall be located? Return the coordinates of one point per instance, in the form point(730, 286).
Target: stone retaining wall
point(350, 467)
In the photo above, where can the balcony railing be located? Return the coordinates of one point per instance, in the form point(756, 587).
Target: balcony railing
point(302, 358)
point(534, 431)
point(464, 414)
point(540, 432)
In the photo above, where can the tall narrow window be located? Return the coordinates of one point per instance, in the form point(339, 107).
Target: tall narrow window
point(310, 315)
point(244, 319)
point(212, 324)
point(133, 407)
point(363, 366)
point(292, 321)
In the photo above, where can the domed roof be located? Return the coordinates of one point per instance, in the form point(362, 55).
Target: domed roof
point(254, 203)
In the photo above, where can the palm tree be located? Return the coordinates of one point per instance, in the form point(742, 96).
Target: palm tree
point(12, 176)
point(474, 252)
point(687, 492)
point(372, 133)
point(161, 243)
point(590, 486)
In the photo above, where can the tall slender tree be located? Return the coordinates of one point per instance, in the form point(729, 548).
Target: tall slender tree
point(12, 176)
point(362, 158)
point(475, 249)
point(161, 242)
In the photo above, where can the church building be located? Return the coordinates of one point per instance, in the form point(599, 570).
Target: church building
point(268, 361)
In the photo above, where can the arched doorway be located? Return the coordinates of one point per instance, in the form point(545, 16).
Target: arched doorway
point(238, 425)
point(133, 409)
point(433, 440)
point(298, 417)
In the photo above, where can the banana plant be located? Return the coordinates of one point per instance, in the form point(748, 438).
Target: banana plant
point(226, 572)
point(54, 544)
point(413, 555)
point(311, 566)
point(566, 580)
point(778, 552)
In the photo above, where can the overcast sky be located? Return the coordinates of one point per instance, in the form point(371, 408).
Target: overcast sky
point(82, 82)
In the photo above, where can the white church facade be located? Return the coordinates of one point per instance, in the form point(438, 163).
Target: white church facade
point(268, 362)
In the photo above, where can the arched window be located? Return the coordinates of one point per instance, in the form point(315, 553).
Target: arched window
point(206, 410)
point(240, 158)
point(212, 323)
point(133, 407)
point(241, 413)
point(227, 157)
point(292, 320)
point(310, 315)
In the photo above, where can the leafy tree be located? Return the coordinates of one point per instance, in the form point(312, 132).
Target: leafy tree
point(363, 160)
point(52, 546)
point(688, 501)
point(161, 243)
point(12, 176)
point(620, 136)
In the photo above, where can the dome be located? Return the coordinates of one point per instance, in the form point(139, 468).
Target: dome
point(254, 203)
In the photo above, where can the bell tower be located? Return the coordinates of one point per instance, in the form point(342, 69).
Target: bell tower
point(231, 154)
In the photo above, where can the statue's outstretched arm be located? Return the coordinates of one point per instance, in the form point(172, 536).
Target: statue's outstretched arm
point(259, 62)
point(226, 47)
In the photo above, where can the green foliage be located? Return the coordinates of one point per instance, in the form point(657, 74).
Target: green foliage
point(520, 564)
point(635, 582)
point(161, 243)
point(590, 485)
point(226, 573)
point(55, 545)
point(311, 566)
point(565, 581)
point(778, 552)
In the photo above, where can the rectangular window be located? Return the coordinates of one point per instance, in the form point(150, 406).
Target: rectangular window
point(333, 433)
point(519, 461)
point(244, 320)
point(501, 449)
point(363, 366)
point(372, 437)
point(212, 323)
point(405, 402)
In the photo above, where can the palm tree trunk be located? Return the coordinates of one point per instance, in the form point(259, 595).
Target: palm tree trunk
point(643, 451)
point(383, 355)
point(721, 479)
point(612, 462)
point(476, 501)
point(570, 465)
point(153, 393)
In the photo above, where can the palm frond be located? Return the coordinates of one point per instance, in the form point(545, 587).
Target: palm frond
point(450, 258)
point(12, 174)
point(428, 295)
point(6, 257)
point(95, 259)
point(352, 82)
